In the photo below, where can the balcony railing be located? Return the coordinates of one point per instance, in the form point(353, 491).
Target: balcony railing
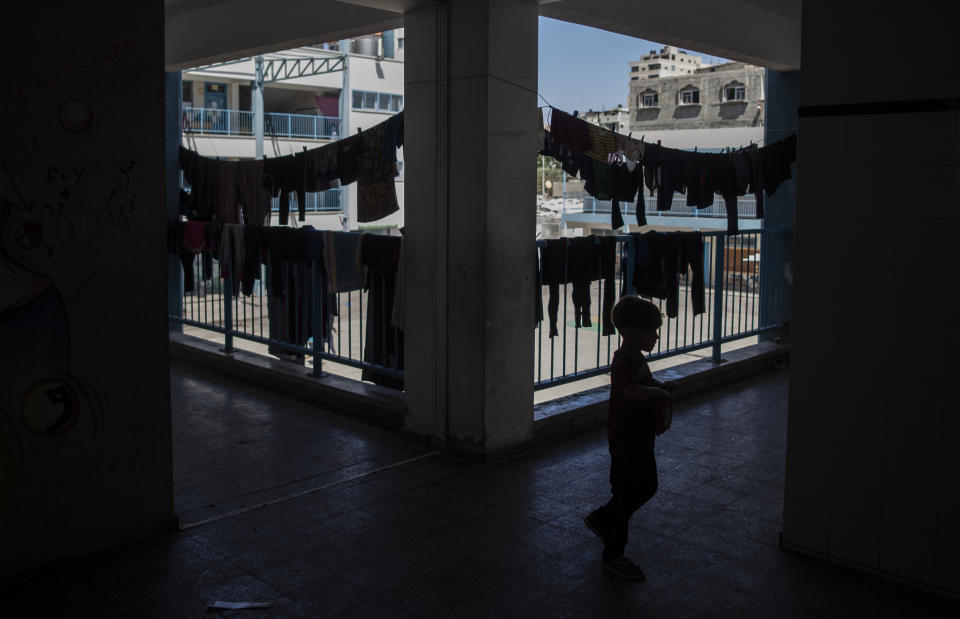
point(582, 202)
point(214, 309)
point(210, 121)
point(319, 202)
point(739, 304)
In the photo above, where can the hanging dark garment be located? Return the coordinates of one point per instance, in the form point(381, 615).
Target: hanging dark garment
point(775, 160)
point(252, 249)
point(392, 136)
point(537, 289)
point(668, 255)
point(200, 174)
point(289, 299)
point(380, 254)
point(569, 131)
point(723, 180)
point(756, 176)
point(561, 153)
point(226, 200)
point(253, 196)
point(579, 261)
point(376, 188)
point(281, 176)
point(349, 151)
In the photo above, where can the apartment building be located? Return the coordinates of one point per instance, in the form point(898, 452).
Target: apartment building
point(615, 119)
point(708, 107)
point(669, 61)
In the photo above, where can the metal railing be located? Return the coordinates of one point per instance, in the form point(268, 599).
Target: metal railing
point(582, 202)
point(317, 202)
point(199, 120)
point(739, 304)
point(214, 306)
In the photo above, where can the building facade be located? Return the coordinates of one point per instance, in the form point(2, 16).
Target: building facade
point(710, 107)
point(615, 119)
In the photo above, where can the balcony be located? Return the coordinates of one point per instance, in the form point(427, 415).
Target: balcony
point(210, 121)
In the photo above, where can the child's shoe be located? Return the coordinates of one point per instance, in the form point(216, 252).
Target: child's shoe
point(623, 567)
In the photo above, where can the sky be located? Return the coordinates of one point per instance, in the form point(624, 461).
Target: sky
point(582, 68)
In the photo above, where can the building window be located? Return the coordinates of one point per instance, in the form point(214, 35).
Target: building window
point(654, 66)
point(634, 78)
point(400, 43)
point(735, 92)
point(690, 96)
point(649, 99)
point(377, 101)
point(633, 69)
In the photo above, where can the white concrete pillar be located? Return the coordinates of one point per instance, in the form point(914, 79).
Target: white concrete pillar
point(471, 114)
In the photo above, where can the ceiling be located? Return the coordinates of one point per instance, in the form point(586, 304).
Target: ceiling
point(762, 32)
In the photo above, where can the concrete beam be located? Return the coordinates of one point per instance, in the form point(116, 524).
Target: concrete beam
point(200, 33)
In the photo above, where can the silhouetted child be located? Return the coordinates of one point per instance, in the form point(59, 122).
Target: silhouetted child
point(639, 407)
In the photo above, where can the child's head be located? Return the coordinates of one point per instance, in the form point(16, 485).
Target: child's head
point(638, 321)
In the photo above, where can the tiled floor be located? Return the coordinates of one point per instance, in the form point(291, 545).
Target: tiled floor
point(347, 535)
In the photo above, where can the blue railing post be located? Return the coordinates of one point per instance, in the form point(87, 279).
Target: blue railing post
point(227, 284)
point(718, 267)
point(229, 114)
point(317, 318)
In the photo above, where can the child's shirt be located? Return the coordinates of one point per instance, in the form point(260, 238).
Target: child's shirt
point(630, 425)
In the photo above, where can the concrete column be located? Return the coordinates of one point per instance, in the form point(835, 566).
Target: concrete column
point(471, 79)
point(776, 269)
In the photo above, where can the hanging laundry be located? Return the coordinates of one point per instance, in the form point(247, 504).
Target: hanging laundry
point(603, 142)
point(281, 176)
point(289, 302)
point(232, 255)
point(380, 254)
point(396, 314)
point(579, 261)
point(392, 136)
point(342, 260)
point(349, 151)
point(612, 182)
point(376, 188)
point(569, 131)
point(226, 202)
point(666, 256)
point(563, 155)
point(320, 171)
point(200, 174)
point(541, 129)
point(253, 196)
point(775, 160)
point(252, 249)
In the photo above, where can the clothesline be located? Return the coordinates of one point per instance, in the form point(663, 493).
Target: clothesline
point(616, 167)
point(235, 191)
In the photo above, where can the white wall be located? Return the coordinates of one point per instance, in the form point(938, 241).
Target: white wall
point(873, 471)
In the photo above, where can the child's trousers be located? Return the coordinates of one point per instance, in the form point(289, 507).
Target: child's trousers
point(633, 480)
